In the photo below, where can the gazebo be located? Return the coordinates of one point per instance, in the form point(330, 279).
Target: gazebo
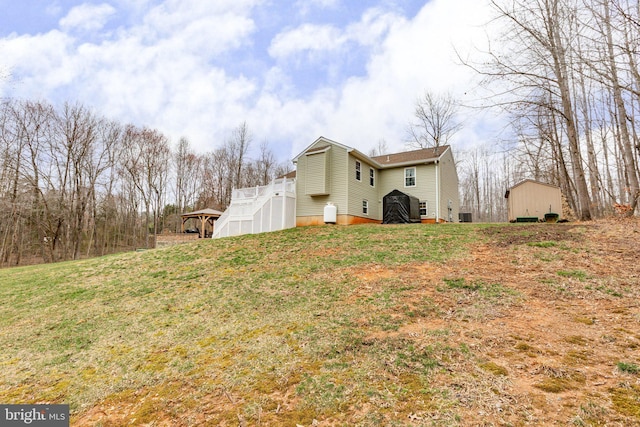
point(206, 216)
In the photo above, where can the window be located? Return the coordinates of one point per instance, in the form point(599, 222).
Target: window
point(372, 177)
point(358, 171)
point(423, 208)
point(410, 177)
point(365, 207)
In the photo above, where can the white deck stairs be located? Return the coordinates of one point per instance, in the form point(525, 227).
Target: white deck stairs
point(259, 209)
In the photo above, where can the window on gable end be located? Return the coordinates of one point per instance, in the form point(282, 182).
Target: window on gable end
point(358, 171)
point(372, 177)
point(410, 177)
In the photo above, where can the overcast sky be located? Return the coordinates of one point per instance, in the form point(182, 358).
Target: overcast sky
point(292, 69)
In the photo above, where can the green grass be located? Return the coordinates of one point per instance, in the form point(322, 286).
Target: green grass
point(577, 274)
point(255, 316)
point(361, 325)
point(630, 368)
point(487, 290)
point(545, 244)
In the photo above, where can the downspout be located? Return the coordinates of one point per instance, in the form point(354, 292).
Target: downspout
point(437, 191)
point(295, 199)
point(347, 192)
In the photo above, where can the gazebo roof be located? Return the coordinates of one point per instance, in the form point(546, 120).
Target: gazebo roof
point(205, 216)
point(203, 212)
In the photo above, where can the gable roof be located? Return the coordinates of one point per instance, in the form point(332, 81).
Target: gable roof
point(319, 149)
point(534, 182)
point(423, 155)
point(405, 158)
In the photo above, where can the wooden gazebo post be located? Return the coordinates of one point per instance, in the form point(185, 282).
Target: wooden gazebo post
point(205, 216)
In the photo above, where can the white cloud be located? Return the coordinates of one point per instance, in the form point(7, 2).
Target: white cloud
point(38, 64)
point(87, 17)
point(374, 25)
point(53, 9)
point(413, 56)
point(172, 16)
point(311, 38)
point(173, 69)
point(156, 73)
point(307, 37)
point(305, 7)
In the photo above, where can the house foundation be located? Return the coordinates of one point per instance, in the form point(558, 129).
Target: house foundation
point(303, 221)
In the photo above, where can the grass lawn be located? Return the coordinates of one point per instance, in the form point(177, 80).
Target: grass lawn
point(361, 325)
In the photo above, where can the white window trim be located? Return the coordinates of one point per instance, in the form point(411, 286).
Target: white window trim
point(365, 206)
point(358, 170)
point(426, 207)
point(415, 177)
point(372, 177)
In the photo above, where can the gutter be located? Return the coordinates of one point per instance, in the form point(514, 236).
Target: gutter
point(358, 155)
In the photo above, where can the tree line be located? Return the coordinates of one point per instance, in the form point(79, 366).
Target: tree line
point(76, 184)
point(566, 73)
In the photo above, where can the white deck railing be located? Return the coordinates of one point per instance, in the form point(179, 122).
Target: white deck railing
point(259, 209)
point(252, 193)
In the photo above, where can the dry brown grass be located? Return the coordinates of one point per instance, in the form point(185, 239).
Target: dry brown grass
point(406, 326)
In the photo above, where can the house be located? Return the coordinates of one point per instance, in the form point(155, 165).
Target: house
point(531, 199)
point(328, 172)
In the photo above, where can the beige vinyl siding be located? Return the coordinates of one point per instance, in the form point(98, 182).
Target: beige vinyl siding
point(530, 198)
point(362, 190)
point(448, 187)
point(307, 205)
point(425, 189)
point(317, 167)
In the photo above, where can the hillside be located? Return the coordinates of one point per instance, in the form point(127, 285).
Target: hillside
point(459, 324)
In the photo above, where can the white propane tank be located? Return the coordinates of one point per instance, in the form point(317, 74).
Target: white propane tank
point(330, 213)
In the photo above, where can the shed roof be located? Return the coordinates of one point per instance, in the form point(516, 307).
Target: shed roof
point(531, 181)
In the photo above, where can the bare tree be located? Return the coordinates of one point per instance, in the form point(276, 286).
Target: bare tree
point(73, 183)
point(218, 172)
point(534, 69)
point(79, 129)
point(380, 148)
point(147, 163)
point(435, 121)
point(103, 173)
point(13, 141)
point(238, 148)
point(188, 174)
point(612, 72)
point(265, 165)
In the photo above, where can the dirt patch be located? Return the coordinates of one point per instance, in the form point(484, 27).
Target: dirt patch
point(555, 342)
point(530, 327)
point(578, 318)
point(509, 235)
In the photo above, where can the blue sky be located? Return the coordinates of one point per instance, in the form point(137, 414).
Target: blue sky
point(293, 69)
